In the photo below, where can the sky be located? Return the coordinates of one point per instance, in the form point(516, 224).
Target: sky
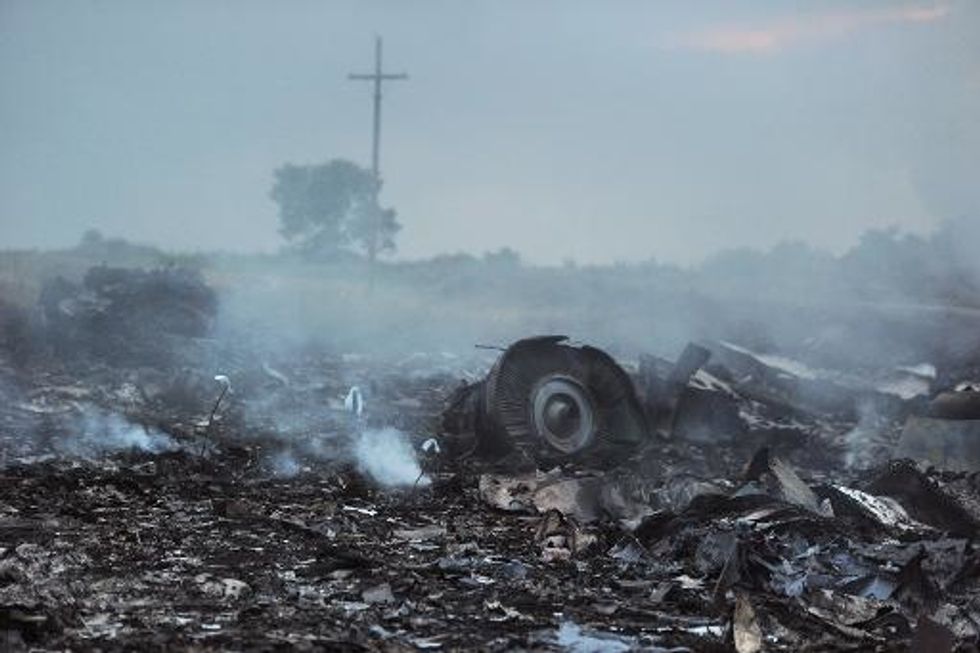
point(597, 131)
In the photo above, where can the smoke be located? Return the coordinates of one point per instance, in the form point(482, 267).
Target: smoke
point(285, 465)
point(97, 432)
point(386, 455)
point(873, 306)
point(862, 443)
point(288, 330)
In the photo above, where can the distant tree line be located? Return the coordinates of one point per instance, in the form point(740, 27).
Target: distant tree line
point(885, 265)
point(322, 220)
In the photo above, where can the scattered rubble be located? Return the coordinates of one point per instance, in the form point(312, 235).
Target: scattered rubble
point(127, 316)
point(565, 502)
point(948, 435)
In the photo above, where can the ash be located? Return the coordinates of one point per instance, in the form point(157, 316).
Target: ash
point(145, 505)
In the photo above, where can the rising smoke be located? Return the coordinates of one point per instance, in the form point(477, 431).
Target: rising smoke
point(293, 335)
point(386, 455)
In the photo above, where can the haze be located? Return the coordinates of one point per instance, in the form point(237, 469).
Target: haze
point(595, 131)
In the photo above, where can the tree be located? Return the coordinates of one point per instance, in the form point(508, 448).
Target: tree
point(329, 207)
point(505, 257)
point(91, 239)
point(372, 228)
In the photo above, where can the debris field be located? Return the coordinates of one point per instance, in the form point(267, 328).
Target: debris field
point(176, 492)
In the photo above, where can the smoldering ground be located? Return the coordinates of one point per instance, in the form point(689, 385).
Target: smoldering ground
point(893, 300)
point(184, 463)
point(340, 515)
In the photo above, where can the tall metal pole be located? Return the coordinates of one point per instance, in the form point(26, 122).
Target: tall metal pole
point(378, 76)
point(376, 142)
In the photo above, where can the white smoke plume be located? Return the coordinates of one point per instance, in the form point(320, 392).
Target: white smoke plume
point(285, 465)
point(863, 441)
point(98, 432)
point(387, 456)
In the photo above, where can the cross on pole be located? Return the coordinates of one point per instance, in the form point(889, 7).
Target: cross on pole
point(378, 76)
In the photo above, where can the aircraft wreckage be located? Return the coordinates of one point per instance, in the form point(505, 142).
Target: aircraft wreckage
point(178, 495)
point(555, 402)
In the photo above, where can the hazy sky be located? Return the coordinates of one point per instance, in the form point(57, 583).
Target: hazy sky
point(598, 131)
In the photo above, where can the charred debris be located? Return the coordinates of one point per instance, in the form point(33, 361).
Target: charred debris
point(165, 488)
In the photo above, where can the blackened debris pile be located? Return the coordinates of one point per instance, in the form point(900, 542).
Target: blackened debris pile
point(551, 403)
point(948, 435)
point(730, 500)
point(130, 316)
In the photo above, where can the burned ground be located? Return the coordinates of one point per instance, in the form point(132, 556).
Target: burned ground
point(772, 518)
